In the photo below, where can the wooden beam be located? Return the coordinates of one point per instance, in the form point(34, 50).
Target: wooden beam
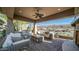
point(9, 11)
point(18, 17)
point(62, 14)
point(0, 9)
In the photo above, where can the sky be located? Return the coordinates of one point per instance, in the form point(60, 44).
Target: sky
point(57, 21)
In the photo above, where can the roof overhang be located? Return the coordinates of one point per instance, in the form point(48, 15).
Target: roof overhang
point(66, 13)
point(10, 12)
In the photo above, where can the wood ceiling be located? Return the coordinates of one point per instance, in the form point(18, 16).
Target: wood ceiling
point(26, 13)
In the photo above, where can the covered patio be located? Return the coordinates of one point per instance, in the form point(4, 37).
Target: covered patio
point(31, 41)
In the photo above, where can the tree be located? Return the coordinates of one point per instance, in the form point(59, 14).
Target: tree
point(3, 22)
point(19, 25)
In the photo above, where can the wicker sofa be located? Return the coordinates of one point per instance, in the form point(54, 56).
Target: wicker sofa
point(15, 42)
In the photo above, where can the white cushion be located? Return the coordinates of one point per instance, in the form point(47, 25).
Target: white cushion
point(18, 42)
point(16, 37)
point(15, 34)
point(8, 42)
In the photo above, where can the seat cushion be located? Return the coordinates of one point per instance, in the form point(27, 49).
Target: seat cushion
point(25, 35)
point(15, 39)
point(15, 34)
point(8, 42)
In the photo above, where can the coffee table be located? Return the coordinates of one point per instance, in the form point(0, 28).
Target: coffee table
point(37, 38)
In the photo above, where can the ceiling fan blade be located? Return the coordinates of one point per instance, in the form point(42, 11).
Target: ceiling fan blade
point(33, 15)
point(42, 14)
point(36, 16)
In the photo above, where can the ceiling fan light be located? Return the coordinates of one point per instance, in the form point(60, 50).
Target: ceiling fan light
point(58, 9)
point(20, 11)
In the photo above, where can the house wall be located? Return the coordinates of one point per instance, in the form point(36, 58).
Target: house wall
point(77, 34)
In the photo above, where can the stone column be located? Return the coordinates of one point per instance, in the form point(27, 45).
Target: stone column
point(10, 26)
point(34, 28)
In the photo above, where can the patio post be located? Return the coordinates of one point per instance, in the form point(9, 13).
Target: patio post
point(34, 27)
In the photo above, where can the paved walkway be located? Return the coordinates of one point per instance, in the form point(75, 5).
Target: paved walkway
point(54, 45)
point(69, 45)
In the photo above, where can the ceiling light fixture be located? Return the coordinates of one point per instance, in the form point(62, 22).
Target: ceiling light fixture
point(37, 12)
point(20, 11)
point(58, 9)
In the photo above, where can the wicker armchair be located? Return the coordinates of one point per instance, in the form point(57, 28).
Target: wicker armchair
point(48, 36)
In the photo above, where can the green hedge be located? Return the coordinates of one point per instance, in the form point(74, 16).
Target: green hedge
point(2, 33)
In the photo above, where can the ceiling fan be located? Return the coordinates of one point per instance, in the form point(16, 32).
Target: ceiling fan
point(37, 13)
